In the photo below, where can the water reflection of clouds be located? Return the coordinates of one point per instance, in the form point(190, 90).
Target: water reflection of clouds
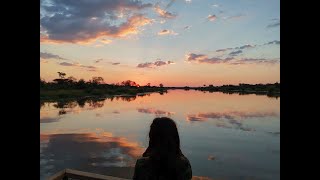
point(231, 119)
point(49, 119)
point(46, 117)
point(275, 133)
point(157, 112)
point(86, 151)
point(116, 112)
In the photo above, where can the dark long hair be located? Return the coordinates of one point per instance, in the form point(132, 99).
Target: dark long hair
point(164, 147)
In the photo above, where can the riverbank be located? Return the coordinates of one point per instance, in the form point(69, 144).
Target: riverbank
point(270, 90)
point(56, 94)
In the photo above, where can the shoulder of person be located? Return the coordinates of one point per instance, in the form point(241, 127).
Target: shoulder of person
point(183, 161)
point(142, 161)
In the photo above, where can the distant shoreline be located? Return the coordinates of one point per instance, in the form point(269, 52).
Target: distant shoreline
point(55, 95)
point(70, 88)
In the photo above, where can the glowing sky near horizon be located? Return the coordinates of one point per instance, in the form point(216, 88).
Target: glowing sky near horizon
point(174, 42)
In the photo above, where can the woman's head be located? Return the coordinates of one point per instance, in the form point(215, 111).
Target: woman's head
point(163, 139)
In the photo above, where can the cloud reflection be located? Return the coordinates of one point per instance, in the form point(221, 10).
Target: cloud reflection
point(45, 117)
point(157, 112)
point(231, 119)
point(85, 151)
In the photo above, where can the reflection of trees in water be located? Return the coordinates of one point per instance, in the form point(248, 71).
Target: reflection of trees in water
point(273, 96)
point(162, 92)
point(270, 95)
point(126, 98)
point(92, 103)
point(144, 94)
point(81, 102)
point(96, 103)
point(62, 112)
point(65, 104)
point(42, 104)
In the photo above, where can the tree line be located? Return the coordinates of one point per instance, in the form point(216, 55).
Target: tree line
point(96, 82)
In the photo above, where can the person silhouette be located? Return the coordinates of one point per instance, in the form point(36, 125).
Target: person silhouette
point(163, 159)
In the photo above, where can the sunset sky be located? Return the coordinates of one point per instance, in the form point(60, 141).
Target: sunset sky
point(174, 42)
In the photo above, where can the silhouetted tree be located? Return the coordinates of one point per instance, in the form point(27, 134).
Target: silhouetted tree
point(161, 85)
point(97, 80)
point(129, 83)
point(61, 74)
point(72, 79)
point(42, 82)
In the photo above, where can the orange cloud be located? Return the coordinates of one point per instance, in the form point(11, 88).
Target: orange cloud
point(106, 41)
point(88, 36)
point(163, 13)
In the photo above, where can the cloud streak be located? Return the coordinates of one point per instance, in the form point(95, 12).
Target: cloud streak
point(223, 50)
point(273, 42)
point(90, 68)
point(248, 46)
point(235, 17)
point(186, 27)
point(204, 59)
point(45, 55)
point(98, 60)
point(274, 24)
point(235, 53)
point(155, 64)
point(167, 32)
point(163, 13)
point(201, 58)
point(212, 17)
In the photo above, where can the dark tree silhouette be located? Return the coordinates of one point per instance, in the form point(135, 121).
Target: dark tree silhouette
point(129, 83)
point(72, 79)
point(97, 80)
point(61, 74)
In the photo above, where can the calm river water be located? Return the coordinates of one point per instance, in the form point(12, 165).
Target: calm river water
point(225, 136)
